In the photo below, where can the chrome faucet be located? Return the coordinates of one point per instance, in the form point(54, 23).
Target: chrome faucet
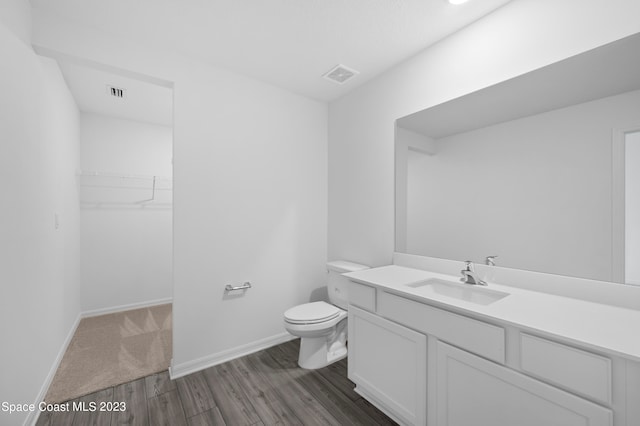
point(469, 276)
point(490, 260)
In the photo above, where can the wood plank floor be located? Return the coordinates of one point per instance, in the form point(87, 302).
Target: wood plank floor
point(265, 388)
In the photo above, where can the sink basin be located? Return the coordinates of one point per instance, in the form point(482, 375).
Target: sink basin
point(460, 291)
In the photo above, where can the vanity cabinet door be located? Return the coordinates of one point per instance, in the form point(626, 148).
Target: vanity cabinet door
point(388, 364)
point(474, 391)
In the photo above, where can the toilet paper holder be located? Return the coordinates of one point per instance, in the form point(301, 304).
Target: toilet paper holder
point(244, 286)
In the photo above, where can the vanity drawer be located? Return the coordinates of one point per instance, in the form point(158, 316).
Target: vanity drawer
point(363, 296)
point(472, 335)
point(573, 369)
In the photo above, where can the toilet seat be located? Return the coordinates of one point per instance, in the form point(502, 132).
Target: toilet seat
point(312, 313)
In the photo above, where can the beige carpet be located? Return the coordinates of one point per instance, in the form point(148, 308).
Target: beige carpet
point(111, 349)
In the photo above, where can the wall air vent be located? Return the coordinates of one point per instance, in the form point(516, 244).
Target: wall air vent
point(340, 74)
point(116, 92)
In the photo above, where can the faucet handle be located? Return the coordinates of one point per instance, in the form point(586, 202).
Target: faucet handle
point(490, 260)
point(468, 265)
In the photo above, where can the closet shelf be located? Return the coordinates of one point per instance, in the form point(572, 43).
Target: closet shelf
point(117, 190)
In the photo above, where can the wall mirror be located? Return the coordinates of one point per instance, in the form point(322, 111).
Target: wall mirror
point(542, 170)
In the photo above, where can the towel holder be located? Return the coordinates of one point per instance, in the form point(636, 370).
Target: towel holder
point(244, 286)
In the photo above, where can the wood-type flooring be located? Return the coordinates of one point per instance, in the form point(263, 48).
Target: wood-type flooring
point(264, 388)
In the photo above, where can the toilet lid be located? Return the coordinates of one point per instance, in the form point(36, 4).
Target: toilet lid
point(310, 313)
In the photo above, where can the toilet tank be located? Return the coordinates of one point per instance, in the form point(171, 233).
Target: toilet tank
point(337, 284)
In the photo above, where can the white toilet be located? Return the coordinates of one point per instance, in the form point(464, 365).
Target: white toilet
point(322, 326)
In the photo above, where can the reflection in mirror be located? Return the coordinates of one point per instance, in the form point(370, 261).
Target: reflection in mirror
point(542, 170)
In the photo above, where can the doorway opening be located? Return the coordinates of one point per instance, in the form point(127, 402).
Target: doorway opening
point(125, 197)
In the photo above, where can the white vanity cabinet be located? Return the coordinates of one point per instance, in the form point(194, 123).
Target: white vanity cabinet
point(423, 364)
point(389, 364)
point(475, 391)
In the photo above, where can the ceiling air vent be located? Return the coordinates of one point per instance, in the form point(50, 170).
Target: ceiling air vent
point(116, 92)
point(340, 74)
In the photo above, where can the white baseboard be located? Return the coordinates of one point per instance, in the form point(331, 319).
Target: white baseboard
point(32, 418)
point(114, 309)
point(189, 367)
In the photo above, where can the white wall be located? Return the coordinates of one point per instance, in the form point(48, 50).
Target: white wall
point(15, 16)
point(250, 194)
point(409, 145)
point(632, 208)
point(521, 36)
point(536, 191)
point(126, 255)
point(413, 217)
point(39, 271)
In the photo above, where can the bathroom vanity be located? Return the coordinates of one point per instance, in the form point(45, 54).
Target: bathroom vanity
point(429, 350)
point(532, 169)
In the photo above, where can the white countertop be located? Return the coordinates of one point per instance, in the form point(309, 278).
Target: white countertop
point(606, 328)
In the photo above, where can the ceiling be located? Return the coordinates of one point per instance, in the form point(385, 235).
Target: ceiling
point(142, 101)
point(288, 43)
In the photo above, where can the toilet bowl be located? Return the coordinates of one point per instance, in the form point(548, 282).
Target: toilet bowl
point(323, 329)
point(322, 326)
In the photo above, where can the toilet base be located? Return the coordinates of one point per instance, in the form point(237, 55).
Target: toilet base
point(318, 352)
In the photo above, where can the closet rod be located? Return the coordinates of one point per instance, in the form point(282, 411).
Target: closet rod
point(116, 175)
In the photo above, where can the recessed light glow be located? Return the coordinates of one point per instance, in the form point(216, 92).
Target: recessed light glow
point(457, 1)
